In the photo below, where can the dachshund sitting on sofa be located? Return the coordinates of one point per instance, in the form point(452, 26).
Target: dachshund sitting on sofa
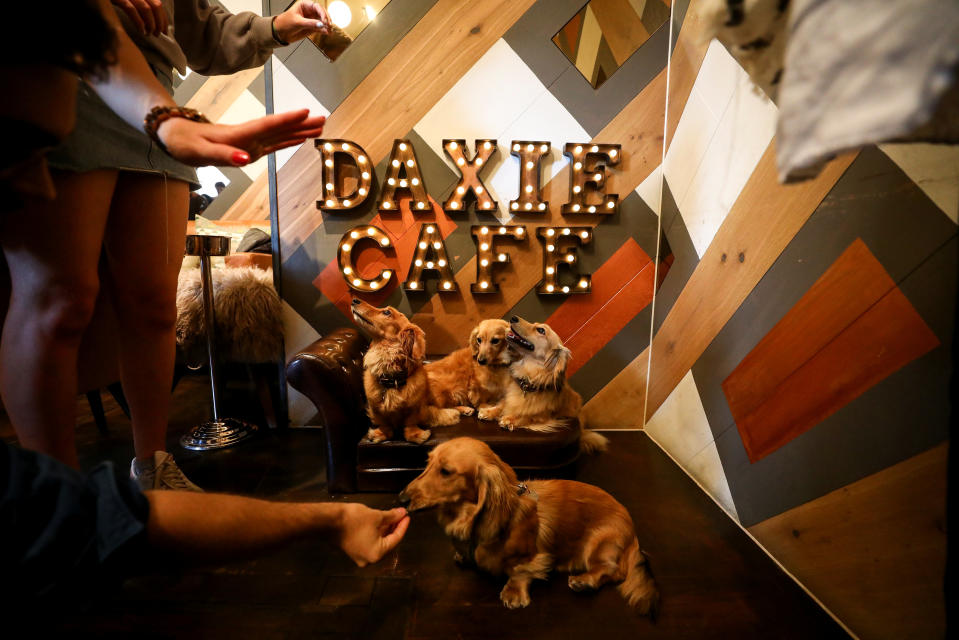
point(397, 389)
point(525, 531)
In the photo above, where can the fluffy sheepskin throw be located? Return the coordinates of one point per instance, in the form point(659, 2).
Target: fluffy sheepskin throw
point(247, 309)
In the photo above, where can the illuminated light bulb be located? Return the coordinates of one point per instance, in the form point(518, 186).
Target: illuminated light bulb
point(565, 289)
point(328, 163)
point(487, 205)
point(612, 153)
point(487, 145)
point(340, 13)
point(441, 262)
point(519, 231)
point(529, 164)
point(571, 258)
point(542, 206)
point(345, 246)
point(430, 229)
point(550, 247)
point(578, 166)
point(421, 205)
point(345, 147)
point(484, 284)
point(410, 162)
point(550, 288)
point(391, 181)
point(356, 282)
point(479, 190)
point(484, 230)
point(583, 283)
point(610, 204)
point(598, 177)
point(530, 147)
point(550, 271)
point(501, 230)
point(594, 149)
point(415, 181)
point(592, 209)
point(514, 206)
point(361, 159)
point(575, 207)
point(515, 147)
point(366, 175)
point(329, 186)
point(460, 190)
point(429, 264)
point(479, 162)
point(577, 189)
point(354, 235)
point(362, 191)
point(346, 203)
point(584, 235)
point(423, 245)
point(484, 246)
point(544, 148)
point(566, 231)
point(402, 146)
point(418, 262)
point(387, 273)
point(374, 285)
point(550, 232)
point(413, 285)
point(453, 144)
point(578, 150)
point(328, 146)
point(484, 262)
point(385, 242)
point(528, 206)
point(330, 203)
point(454, 205)
point(437, 244)
point(402, 183)
point(502, 257)
point(460, 161)
point(386, 204)
point(529, 188)
point(371, 231)
point(395, 163)
point(447, 284)
point(347, 270)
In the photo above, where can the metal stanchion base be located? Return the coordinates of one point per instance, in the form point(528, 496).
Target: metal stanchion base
point(217, 434)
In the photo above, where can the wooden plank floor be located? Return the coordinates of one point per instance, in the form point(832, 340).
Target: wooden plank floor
point(715, 581)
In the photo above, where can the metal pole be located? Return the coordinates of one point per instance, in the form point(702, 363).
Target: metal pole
point(209, 324)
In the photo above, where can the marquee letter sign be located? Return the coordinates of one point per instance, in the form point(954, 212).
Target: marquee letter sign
point(530, 155)
point(487, 255)
point(588, 163)
point(559, 244)
point(332, 154)
point(356, 235)
point(469, 174)
point(430, 255)
point(403, 177)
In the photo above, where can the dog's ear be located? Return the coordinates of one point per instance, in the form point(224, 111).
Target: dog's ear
point(558, 360)
point(496, 490)
point(413, 341)
point(474, 348)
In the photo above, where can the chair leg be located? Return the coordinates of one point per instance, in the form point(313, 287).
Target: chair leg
point(96, 408)
point(116, 390)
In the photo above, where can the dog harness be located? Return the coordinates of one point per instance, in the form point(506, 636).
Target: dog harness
point(529, 387)
point(393, 380)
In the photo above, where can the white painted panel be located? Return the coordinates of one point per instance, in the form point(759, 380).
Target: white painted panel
point(297, 334)
point(290, 94)
point(707, 468)
point(935, 168)
point(680, 425)
point(651, 189)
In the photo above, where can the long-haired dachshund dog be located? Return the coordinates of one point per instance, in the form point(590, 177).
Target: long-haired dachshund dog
point(538, 397)
point(527, 530)
point(476, 375)
point(397, 389)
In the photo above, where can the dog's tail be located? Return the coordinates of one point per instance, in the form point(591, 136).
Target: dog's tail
point(547, 427)
point(639, 587)
point(592, 442)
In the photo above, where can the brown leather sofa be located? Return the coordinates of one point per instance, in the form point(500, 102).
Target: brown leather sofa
point(330, 373)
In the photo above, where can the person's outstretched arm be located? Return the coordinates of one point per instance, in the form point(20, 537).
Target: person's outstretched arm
point(211, 527)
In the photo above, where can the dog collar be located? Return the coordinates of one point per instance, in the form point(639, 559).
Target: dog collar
point(523, 489)
point(529, 387)
point(394, 380)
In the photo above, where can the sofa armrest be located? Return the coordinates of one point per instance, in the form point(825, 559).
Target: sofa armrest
point(330, 373)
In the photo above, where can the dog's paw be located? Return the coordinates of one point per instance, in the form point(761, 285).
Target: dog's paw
point(507, 422)
point(416, 435)
point(514, 597)
point(377, 435)
point(460, 559)
point(579, 583)
point(466, 411)
point(487, 413)
point(446, 417)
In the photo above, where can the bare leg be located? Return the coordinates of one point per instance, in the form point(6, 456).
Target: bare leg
point(144, 242)
point(52, 249)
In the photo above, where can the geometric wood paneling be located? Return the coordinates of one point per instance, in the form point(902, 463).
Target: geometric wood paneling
point(873, 551)
point(850, 330)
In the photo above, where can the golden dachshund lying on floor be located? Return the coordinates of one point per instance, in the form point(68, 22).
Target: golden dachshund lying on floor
point(527, 531)
point(397, 389)
point(538, 397)
point(476, 375)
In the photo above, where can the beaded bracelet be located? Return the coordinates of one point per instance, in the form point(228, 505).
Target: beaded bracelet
point(158, 115)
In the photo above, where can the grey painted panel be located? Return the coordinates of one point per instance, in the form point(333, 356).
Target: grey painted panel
point(239, 183)
point(613, 357)
point(685, 259)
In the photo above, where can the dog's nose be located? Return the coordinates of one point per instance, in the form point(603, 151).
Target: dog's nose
point(404, 498)
point(514, 319)
point(356, 300)
point(482, 360)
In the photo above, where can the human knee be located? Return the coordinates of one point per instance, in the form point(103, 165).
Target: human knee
point(61, 311)
point(148, 309)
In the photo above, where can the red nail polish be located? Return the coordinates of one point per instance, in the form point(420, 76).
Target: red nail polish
point(240, 157)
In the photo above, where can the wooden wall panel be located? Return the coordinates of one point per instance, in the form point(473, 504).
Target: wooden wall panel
point(874, 551)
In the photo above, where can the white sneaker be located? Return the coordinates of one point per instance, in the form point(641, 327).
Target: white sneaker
point(160, 473)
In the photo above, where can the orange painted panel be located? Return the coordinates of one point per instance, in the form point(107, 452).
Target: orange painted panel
point(827, 372)
point(611, 318)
